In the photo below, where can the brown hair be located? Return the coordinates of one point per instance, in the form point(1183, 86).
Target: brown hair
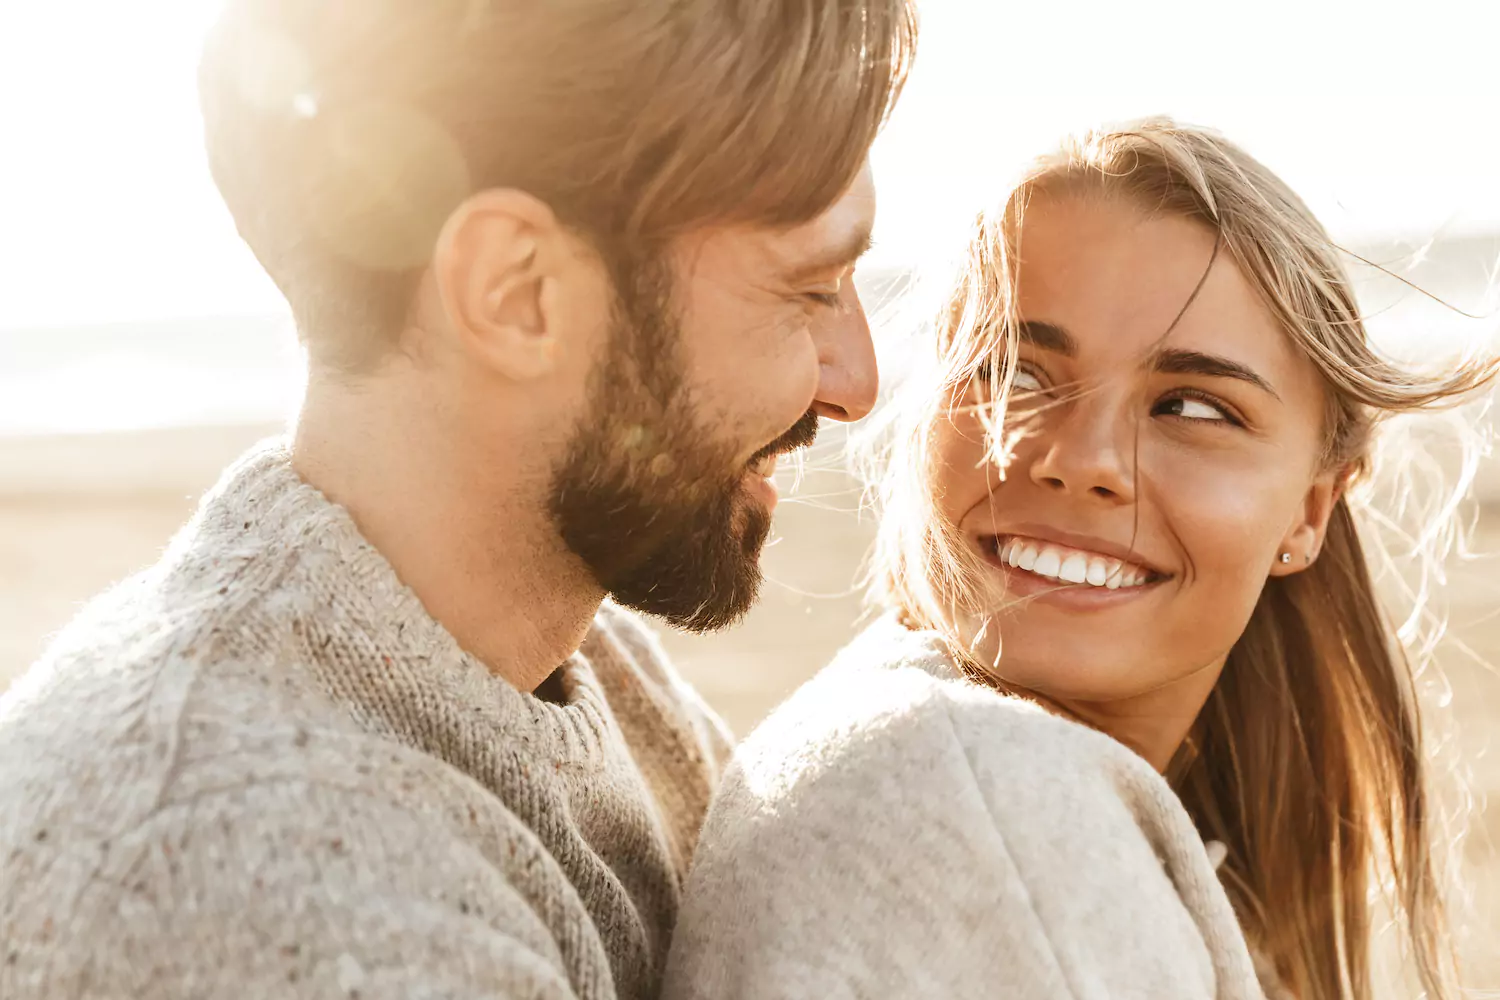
point(1308, 760)
point(342, 135)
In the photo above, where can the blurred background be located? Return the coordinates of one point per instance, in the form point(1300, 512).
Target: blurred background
point(141, 348)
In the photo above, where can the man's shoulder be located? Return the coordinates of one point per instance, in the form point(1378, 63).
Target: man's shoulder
point(192, 824)
point(129, 712)
point(177, 686)
point(221, 798)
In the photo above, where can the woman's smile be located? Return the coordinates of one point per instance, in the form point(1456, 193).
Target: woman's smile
point(1184, 441)
point(1074, 572)
point(1118, 492)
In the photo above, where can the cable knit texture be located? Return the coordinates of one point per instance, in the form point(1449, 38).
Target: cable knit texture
point(896, 831)
point(261, 769)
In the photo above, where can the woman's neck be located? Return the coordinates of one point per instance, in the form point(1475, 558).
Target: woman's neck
point(1153, 724)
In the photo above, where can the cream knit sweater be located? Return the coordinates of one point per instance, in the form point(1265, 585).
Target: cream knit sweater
point(895, 831)
point(260, 769)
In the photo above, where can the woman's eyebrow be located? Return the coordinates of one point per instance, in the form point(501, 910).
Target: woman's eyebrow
point(1167, 360)
point(1178, 361)
point(1048, 336)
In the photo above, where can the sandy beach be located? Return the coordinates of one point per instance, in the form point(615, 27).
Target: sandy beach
point(77, 513)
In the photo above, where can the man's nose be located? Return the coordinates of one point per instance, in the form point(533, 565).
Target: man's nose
point(848, 382)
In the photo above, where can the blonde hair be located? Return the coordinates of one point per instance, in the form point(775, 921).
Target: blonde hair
point(1307, 762)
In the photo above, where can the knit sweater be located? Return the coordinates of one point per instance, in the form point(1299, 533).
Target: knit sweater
point(261, 769)
point(895, 831)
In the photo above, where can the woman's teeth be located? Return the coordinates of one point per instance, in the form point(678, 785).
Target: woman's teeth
point(1057, 562)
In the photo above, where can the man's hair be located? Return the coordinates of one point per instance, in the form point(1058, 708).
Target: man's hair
point(342, 133)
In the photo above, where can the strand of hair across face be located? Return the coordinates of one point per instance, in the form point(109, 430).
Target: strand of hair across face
point(1135, 439)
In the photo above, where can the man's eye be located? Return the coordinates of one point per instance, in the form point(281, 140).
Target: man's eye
point(828, 299)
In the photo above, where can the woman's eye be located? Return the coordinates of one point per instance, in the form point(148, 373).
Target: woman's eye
point(829, 300)
point(1189, 408)
point(1026, 381)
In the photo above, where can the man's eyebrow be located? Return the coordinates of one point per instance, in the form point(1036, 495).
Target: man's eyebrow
point(1177, 361)
point(837, 258)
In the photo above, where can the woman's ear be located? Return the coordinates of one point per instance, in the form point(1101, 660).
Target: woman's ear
point(490, 268)
point(1304, 539)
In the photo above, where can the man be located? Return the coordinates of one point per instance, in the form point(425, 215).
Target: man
point(570, 276)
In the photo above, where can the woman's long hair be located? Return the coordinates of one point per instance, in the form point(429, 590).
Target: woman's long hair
point(1308, 760)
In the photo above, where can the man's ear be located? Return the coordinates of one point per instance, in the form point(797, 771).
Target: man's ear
point(492, 262)
point(1304, 539)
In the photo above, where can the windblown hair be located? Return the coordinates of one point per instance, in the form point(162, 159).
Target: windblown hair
point(342, 135)
point(1308, 761)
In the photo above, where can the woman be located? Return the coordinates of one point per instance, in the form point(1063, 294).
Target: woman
point(1135, 724)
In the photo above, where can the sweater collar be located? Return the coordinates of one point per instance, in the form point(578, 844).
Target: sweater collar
point(263, 519)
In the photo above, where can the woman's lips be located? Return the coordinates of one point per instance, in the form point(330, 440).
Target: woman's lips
point(1045, 570)
point(1067, 564)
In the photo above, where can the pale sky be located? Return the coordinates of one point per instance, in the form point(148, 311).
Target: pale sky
point(1383, 115)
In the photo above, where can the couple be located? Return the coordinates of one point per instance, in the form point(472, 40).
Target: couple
point(383, 723)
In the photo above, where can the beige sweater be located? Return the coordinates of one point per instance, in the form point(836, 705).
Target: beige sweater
point(895, 831)
point(261, 769)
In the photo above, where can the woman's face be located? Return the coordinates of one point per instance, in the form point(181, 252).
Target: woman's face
point(1159, 480)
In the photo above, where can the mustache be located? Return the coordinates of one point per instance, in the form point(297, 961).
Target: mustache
point(801, 435)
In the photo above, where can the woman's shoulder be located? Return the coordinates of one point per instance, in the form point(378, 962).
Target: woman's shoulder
point(896, 830)
point(892, 703)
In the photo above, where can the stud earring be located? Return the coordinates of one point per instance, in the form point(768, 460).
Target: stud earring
point(1286, 557)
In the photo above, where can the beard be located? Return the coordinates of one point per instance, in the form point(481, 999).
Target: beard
point(650, 495)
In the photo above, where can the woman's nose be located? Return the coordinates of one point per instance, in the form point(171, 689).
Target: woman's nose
point(1086, 447)
point(848, 382)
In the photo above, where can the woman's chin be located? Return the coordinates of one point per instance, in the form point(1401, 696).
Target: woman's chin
point(1063, 668)
point(1074, 687)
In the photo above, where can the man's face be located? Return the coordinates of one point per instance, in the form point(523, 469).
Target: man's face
point(721, 356)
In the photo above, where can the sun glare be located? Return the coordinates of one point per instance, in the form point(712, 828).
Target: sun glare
point(1384, 126)
point(109, 211)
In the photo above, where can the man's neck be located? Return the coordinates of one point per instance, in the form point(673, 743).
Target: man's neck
point(474, 544)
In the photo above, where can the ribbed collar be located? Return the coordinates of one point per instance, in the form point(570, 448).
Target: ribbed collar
point(274, 537)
